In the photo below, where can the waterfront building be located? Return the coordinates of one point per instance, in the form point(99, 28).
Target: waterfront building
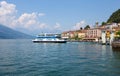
point(108, 34)
point(93, 34)
point(68, 34)
point(112, 27)
point(81, 34)
point(65, 35)
point(116, 30)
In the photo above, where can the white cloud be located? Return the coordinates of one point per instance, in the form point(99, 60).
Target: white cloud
point(79, 24)
point(41, 14)
point(57, 26)
point(43, 25)
point(26, 21)
point(7, 9)
point(7, 13)
point(30, 21)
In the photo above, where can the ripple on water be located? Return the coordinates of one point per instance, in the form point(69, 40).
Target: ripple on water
point(24, 58)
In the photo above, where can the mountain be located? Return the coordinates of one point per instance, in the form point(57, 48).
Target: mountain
point(115, 17)
point(8, 33)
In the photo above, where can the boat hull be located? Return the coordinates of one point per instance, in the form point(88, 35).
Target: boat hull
point(116, 45)
point(49, 41)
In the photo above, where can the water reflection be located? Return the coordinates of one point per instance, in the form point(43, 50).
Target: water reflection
point(116, 54)
point(24, 58)
point(116, 49)
point(103, 49)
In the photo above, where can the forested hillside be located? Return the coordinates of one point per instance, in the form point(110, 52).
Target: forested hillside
point(115, 17)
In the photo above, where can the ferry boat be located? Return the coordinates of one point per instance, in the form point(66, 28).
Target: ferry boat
point(49, 38)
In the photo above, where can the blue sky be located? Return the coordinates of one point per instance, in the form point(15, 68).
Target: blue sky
point(36, 16)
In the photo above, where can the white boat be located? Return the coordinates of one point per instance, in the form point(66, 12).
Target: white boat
point(49, 38)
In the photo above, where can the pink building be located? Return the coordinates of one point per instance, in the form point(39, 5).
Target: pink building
point(93, 34)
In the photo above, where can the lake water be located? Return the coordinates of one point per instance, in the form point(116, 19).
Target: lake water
point(24, 58)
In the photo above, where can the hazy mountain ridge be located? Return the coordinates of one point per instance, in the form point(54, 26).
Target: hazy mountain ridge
point(8, 33)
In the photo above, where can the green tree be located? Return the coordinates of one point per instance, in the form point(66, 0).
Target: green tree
point(87, 27)
point(81, 28)
point(118, 33)
point(103, 23)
